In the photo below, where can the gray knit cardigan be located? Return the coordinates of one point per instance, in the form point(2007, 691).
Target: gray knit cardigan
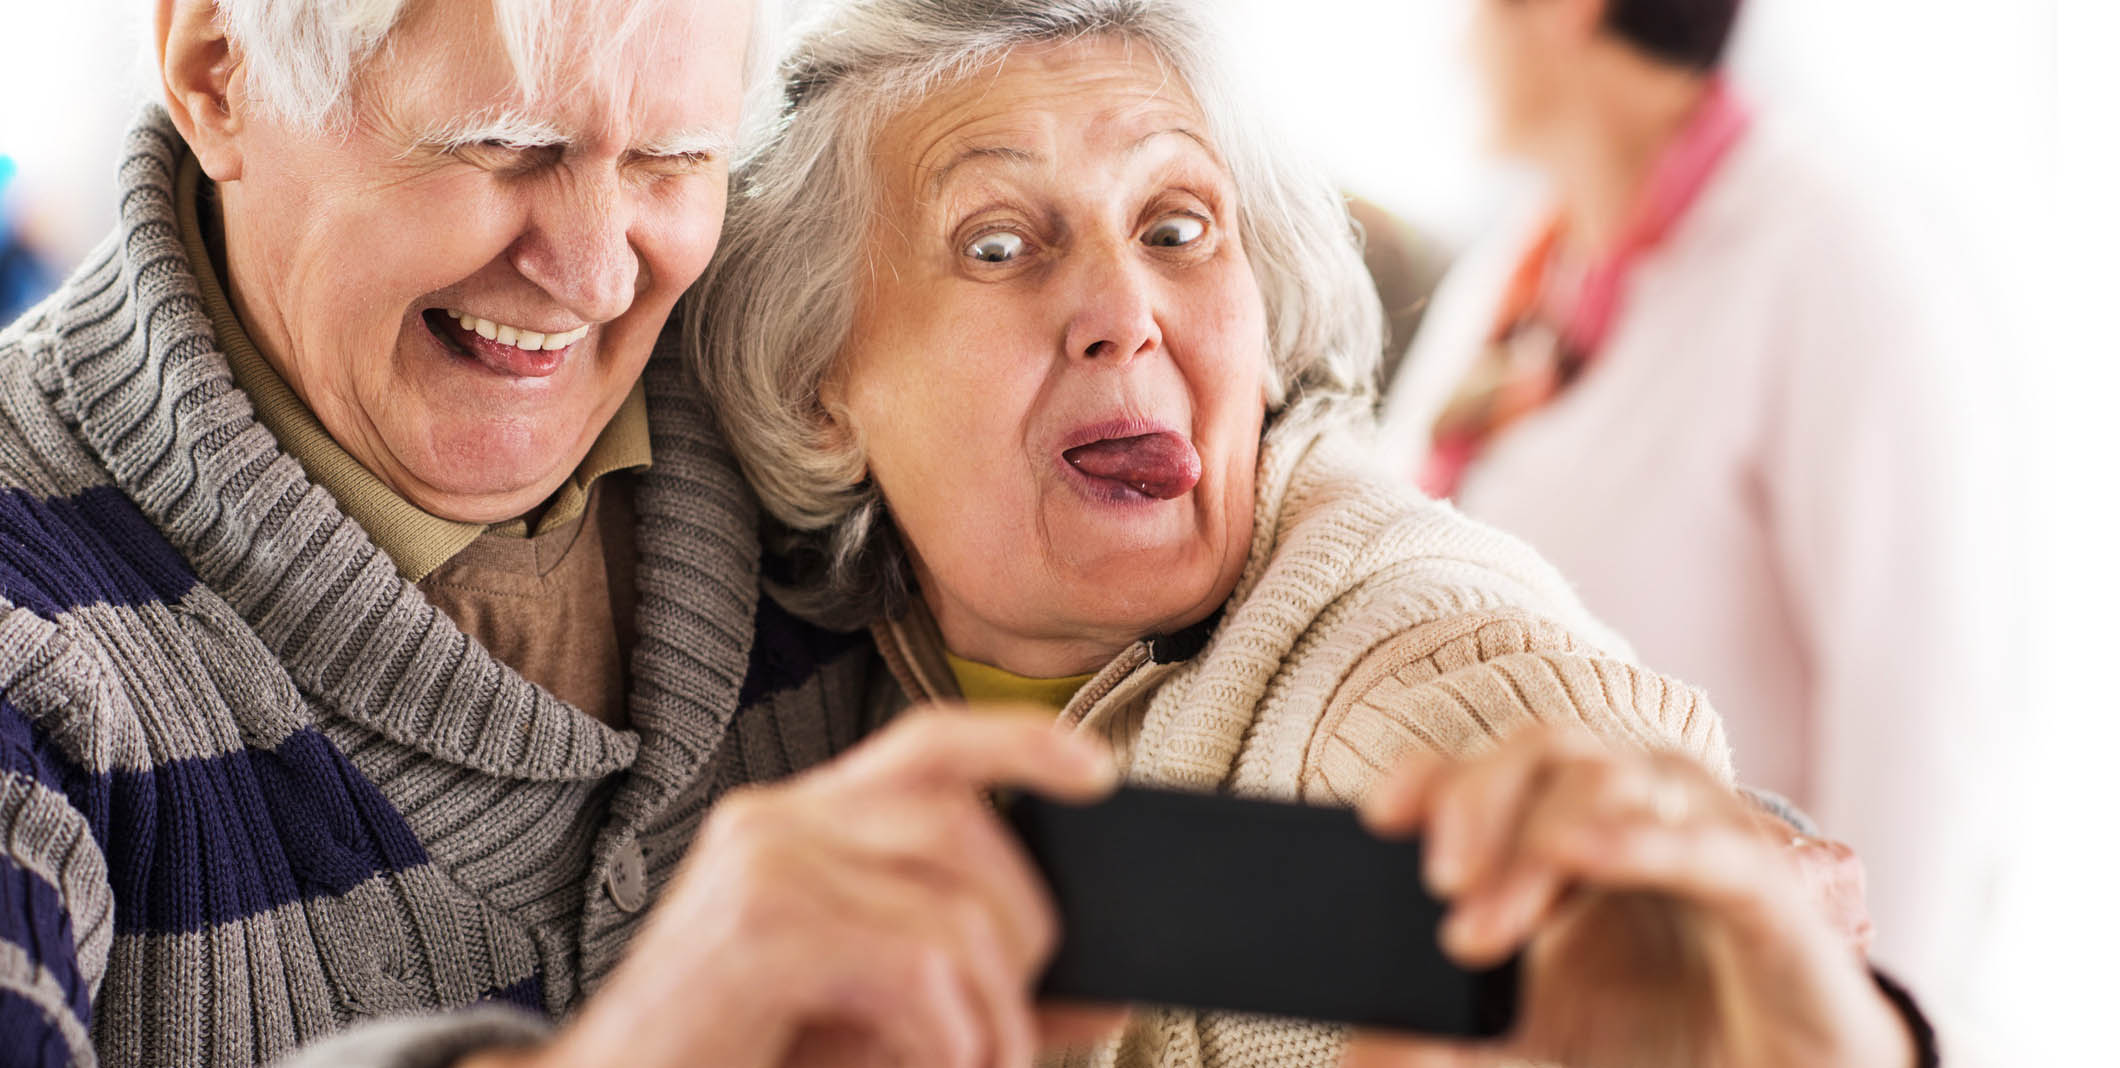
point(254, 789)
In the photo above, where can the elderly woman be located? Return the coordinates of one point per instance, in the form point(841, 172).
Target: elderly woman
point(1052, 368)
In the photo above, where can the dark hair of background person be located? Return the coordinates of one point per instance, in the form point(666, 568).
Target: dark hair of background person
point(1689, 33)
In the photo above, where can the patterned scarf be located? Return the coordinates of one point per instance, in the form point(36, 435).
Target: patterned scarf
point(1555, 315)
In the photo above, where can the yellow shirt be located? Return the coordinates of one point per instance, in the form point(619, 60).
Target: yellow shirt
point(979, 682)
point(416, 541)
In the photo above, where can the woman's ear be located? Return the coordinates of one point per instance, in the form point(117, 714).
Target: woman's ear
point(838, 420)
point(201, 76)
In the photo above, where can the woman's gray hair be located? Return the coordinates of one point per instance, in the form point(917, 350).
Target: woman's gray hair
point(303, 57)
point(769, 320)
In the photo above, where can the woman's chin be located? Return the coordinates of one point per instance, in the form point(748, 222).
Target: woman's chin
point(1101, 540)
point(1139, 613)
point(1149, 558)
point(1147, 589)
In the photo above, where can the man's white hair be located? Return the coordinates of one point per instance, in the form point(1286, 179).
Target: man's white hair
point(303, 57)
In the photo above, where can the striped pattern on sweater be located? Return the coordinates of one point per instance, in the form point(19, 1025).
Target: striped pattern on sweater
point(254, 789)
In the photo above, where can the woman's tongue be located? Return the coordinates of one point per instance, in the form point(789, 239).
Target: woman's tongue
point(1160, 465)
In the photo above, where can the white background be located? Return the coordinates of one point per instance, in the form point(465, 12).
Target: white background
point(1996, 116)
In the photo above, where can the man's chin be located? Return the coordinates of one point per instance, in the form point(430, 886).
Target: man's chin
point(490, 496)
point(479, 508)
point(482, 470)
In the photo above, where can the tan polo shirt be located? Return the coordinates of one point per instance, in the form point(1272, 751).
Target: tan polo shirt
point(551, 596)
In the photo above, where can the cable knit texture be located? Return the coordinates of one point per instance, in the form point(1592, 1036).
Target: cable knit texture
point(254, 789)
point(1369, 622)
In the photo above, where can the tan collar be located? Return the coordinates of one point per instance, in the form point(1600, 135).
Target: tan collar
point(416, 541)
point(912, 649)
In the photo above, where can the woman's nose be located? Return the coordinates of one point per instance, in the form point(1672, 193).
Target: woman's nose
point(580, 252)
point(1115, 317)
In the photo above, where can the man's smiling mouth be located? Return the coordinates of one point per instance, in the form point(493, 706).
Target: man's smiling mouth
point(502, 348)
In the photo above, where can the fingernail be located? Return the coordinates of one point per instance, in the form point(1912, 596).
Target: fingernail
point(1095, 761)
point(1444, 871)
point(1460, 933)
point(1522, 909)
point(1105, 774)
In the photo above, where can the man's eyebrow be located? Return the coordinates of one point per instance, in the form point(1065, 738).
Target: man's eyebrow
point(978, 152)
point(511, 129)
point(705, 141)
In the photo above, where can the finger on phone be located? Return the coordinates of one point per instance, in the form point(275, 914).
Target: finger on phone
point(1712, 865)
point(1478, 810)
point(1484, 929)
point(949, 748)
point(1574, 796)
point(1398, 804)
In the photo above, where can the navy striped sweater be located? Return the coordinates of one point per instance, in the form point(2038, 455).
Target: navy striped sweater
point(254, 790)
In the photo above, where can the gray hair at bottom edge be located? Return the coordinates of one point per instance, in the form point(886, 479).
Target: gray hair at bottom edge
point(765, 325)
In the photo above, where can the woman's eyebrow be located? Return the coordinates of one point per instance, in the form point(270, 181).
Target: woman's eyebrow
point(1008, 154)
point(1003, 153)
point(1186, 132)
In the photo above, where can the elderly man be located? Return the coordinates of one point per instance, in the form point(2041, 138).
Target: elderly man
point(381, 608)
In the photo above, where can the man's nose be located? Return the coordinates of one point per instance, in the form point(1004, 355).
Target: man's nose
point(579, 248)
point(1115, 312)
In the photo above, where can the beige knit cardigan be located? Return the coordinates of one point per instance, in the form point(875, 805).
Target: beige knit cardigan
point(1369, 622)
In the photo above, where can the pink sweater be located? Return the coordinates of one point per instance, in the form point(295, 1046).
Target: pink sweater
point(1762, 484)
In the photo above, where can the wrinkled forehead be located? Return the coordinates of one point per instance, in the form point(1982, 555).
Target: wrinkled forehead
point(1047, 105)
point(590, 68)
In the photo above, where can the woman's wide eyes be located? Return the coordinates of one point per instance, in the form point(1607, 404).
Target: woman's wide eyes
point(1172, 231)
point(998, 247)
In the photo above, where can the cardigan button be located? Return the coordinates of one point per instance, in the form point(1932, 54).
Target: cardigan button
point(627, 882)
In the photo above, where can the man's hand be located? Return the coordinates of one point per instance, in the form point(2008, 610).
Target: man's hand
point(873, 910)
point(1662, 926)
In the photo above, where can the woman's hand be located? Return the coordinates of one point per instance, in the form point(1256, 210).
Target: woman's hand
point(1662, 925)
point(871, 911)
point(1832, 875)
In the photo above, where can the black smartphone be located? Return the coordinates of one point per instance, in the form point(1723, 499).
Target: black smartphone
point(1215, 902)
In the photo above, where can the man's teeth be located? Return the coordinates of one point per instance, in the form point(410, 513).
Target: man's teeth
point(527, 340)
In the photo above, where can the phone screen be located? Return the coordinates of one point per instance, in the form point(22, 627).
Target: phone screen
point(1216, 902)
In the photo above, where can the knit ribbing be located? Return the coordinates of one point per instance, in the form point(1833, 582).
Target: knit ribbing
point(1368, 622)
point(254, 789)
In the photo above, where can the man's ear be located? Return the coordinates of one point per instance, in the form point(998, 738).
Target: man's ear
point(201, 79)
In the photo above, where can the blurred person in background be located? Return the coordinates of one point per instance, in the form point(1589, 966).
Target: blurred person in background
point(1704, 378)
